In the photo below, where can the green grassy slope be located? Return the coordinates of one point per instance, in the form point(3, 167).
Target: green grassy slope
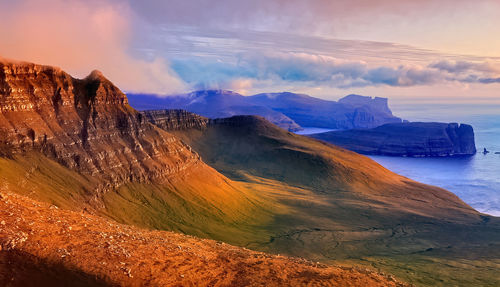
point(199, 201)
point(292, 195)
point(345, 207)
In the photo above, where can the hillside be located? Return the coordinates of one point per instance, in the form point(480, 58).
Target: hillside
point(344, 207)
point(41, 245)
point(78, 145)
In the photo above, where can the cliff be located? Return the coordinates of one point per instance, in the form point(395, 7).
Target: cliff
point(86, 125)
point(377, 103)
point(407, 139)
point(175, 119)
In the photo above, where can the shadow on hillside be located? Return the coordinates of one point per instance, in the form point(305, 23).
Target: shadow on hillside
point(21, 269)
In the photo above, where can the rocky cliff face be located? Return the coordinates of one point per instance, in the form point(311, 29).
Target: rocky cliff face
point(175, 119)
point(377, 103)
point(86, 125)
point(407, 139)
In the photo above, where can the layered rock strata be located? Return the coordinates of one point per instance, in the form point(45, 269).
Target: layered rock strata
point(84, 124)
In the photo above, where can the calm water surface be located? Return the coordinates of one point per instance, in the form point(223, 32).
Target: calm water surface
point(476, 179)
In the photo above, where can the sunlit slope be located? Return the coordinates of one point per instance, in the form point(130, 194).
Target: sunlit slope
point(77, 143)
point(198, 201)
point(345, 207)
point(44, 246)
point(251, 145)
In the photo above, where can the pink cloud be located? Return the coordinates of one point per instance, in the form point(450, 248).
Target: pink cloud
point(80, 36)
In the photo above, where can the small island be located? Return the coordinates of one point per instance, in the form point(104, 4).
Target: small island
point(410, 139)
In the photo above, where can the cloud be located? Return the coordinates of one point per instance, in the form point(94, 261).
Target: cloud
point(80, 36)
point(304, 69)
point(281, 15)
point(218, 46)
point(489, 80)
point(309, 70)
point(459, 67)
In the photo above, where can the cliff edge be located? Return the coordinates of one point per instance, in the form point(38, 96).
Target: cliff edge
point(416, 139)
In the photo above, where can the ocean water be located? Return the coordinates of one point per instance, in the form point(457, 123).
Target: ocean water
point(312, 130)
point(476, 179)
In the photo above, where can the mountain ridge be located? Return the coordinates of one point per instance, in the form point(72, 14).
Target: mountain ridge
point(288, 110)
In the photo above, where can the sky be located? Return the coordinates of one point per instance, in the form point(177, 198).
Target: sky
point(409, 51)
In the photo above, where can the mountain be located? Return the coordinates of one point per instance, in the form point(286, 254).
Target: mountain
point(414, 139)
point(85, 125)
point(79, 145)
point(212, 104)
point(75, 154)
point(287, 110)
point(338, 206)
point(352, 111)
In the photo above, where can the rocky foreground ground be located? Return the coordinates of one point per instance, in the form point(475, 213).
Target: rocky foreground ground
point(42, 245)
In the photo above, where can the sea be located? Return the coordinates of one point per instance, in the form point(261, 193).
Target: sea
point(475, 179)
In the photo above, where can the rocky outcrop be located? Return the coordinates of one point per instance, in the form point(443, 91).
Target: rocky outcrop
point(86, 125)
point(377, 103)
point(407, 139)
point(175, 119)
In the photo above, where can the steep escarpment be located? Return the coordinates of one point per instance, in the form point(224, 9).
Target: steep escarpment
point(86, 125)
point(407, 139)
point(175, 119)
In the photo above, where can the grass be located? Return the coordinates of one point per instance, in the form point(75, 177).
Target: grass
point(290, 195)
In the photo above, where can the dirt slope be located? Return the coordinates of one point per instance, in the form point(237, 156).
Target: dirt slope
point(52, 246)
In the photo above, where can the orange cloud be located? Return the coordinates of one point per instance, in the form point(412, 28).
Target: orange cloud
point(80, 36)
